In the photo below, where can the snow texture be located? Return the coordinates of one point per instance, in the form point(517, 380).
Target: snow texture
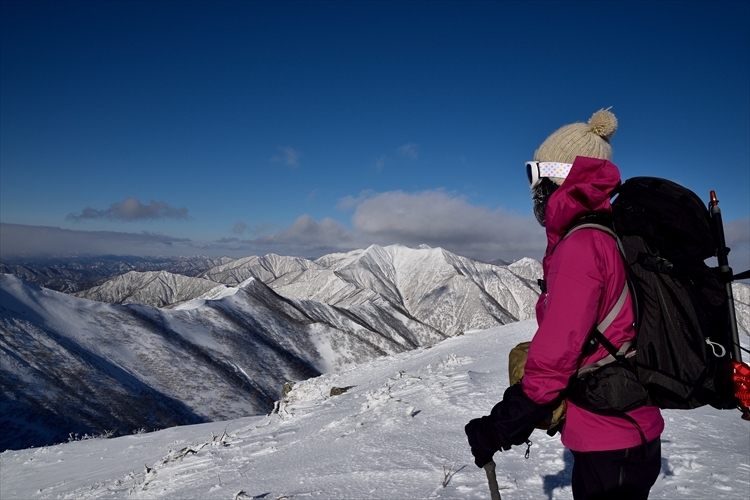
point(388, 428)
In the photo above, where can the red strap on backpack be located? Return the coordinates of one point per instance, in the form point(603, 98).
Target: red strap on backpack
point(741, 378)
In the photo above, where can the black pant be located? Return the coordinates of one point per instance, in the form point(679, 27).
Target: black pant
point(626, 474)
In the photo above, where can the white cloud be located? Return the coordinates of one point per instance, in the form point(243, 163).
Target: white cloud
point(18, 240)
point(737, 235)
point(349, 202)
point(409, 150)
point(381, 162)
point(434, 218)
point(312, 195)
point(263, 228)
point(239, 228)
point(308, 230)
point(437, 218)
point(131, 210)
point(306, 237)
point(288, 157)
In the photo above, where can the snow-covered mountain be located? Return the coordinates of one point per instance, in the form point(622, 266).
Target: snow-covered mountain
point(76, 273)
point(390, 428)
point(151, 288)
point(266, 268)
point(73, 365)
point(446, 291)
point(76, 365)
point(435, 287)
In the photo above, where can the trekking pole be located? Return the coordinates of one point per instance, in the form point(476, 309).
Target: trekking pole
point(489, 468)
point(724, 270)
point(741, 375)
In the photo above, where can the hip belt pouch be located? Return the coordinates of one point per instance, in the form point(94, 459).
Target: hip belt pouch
point(612, 387)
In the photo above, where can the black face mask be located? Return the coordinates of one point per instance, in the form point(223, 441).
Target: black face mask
point(540, 196)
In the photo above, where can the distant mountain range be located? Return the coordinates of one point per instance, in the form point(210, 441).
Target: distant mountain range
point(448, 292)
point(223, 344)
point(73, 274)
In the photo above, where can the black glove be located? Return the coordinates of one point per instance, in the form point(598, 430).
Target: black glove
point(511, 422)
point(481, 441)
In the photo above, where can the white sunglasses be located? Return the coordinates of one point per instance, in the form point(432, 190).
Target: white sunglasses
point(536, 170)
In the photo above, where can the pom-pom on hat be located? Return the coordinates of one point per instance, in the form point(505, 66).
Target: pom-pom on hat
point(580, 139)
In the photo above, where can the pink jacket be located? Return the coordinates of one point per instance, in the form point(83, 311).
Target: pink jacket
point(585, 276)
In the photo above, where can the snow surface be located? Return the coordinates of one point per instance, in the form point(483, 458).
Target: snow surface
point(397, 432)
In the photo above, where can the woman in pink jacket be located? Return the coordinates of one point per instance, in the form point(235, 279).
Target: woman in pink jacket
point(616, 457)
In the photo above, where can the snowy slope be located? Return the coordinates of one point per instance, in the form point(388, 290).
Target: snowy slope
point(397, 432)
point(74, 365)
point(741, 292)
point(265, 268)
point(152, 288)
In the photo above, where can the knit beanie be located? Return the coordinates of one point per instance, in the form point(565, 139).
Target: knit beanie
point(579, 139)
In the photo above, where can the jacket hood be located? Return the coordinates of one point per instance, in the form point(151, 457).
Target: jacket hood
point(587, 189)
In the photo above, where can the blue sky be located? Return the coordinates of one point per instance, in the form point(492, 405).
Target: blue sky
point(302, 128)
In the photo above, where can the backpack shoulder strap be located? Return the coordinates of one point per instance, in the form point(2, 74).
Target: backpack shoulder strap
point(610, 317)
point(591, 225)
point(602, 222)
point(599, 222)
point(595, 220)
point(598, 336)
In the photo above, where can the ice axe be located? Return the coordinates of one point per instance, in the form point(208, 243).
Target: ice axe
point(489, 468)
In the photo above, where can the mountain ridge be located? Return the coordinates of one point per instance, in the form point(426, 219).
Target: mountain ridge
point(446, 291)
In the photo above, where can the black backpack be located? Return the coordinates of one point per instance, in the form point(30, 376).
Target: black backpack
point(680, 357)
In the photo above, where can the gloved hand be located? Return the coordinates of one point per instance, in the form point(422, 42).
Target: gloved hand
point(511, 422)
point(481, 440)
